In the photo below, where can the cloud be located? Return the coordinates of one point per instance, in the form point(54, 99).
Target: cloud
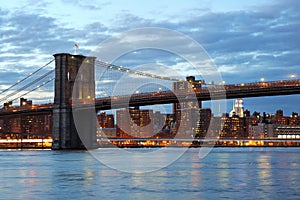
point(87, 5)
point(261, 41)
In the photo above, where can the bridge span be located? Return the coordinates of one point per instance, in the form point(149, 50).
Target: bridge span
point(216, 92)
point(73, 94)
point(213, 92)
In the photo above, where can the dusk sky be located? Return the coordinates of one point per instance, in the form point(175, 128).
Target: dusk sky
point(247, 40)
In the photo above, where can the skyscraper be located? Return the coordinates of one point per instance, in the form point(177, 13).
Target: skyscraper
point(238, 108)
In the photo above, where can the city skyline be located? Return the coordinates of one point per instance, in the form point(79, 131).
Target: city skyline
point(169, 99)
point(240, 127)
point(253, 40)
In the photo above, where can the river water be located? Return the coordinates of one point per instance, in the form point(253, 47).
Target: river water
point(225, 173)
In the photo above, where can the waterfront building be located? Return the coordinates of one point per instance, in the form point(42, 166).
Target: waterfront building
point(133, 122)
point(262, 131)
point(186, 113)
point(203, 123)
point(294, 120)
point(106, 126)
point(160, 122)
point(280, 119)
point(256, 131)
point(106, 120)
point(106, 132)
point(287, 132)
point(250, 120)
point(234, 127)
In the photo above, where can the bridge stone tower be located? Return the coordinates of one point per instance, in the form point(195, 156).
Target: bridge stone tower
point(74, 82)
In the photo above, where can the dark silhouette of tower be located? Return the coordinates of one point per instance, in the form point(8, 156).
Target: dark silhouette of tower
point(74, 127)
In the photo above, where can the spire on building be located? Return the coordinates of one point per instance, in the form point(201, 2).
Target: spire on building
point(238, 108)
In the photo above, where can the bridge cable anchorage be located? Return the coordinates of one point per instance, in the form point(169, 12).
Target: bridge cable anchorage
point(20, 81)
point(131, 71)
point(27, 85)
point(37, 87)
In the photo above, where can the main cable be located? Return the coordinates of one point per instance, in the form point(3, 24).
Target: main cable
point(37, 87)
point(20, 81)
point(26, 86)
point(135, 72)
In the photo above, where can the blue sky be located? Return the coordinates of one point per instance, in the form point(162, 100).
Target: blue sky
point(247, 40)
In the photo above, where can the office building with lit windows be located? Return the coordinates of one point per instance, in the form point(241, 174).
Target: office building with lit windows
point(134, 123)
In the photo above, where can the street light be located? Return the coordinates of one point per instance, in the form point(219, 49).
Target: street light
point(292, 76)
point(262, 79)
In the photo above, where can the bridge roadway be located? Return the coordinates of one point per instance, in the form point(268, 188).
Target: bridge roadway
point(212, 92)
point(27, 110)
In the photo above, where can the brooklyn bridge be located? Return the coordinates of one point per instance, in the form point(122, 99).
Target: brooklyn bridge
point(75, 103)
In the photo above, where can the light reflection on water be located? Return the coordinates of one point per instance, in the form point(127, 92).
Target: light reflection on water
point(231, 173)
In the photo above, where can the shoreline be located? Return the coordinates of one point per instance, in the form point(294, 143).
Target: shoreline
point(160, 143)
point(147, 147)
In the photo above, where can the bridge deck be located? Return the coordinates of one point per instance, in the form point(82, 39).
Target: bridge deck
point(212, 92)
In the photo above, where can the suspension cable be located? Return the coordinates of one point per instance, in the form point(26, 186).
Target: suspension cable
point(20, 81)
point(37, 87)
point(26, 86)
point(131, 71)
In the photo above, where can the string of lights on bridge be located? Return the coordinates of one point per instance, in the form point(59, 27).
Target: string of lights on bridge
point(99, 63)
point(45, 75)
point(21, 89)
point(34, 89)
point(31, 74)
point(131, 71)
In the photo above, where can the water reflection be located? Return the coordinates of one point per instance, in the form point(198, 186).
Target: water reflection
point(264, 167)
point(196, 175)
point(223, 170)
point(224, 173)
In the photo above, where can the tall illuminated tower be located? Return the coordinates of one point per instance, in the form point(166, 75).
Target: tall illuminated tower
point(238, 108)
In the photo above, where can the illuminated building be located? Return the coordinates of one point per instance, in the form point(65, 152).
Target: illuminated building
point(106, 125)
point(186, 112)
point(30, 126)
point(11, 125)
point(7, 104)
point(25, 102)
point(37, 125)
point(238, 108)
point(256, 131)
point(234, 127)
point(106, 132)
point(106, 120)
point(160, 122)
point(216, 127)
point(261, 130)
point(133, 122)
point(189, 86)
point(280, 119)
point(187, 123)
point(250, 121)
point(203, 123)
point(294, 120)
point(269, 131)
point(287, 132)
point(123, 124)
